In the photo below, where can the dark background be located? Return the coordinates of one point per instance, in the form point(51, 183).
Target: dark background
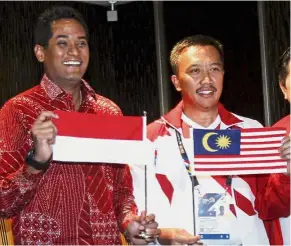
point(123, 59)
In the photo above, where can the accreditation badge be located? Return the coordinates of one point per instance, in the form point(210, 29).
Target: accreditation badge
point(215, 222)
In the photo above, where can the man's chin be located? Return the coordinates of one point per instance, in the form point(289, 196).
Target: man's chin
point(74, 78)
point(207, 105)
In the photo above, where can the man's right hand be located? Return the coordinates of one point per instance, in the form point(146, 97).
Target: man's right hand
point(176, 236)
point(44, 134)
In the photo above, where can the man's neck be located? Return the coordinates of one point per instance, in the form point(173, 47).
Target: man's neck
point(71, 88)
point(202, 117)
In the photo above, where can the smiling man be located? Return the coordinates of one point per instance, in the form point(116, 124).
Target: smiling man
point(50, 202)
point(198, 71)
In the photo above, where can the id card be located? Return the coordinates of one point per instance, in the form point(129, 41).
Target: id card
point(215, 222)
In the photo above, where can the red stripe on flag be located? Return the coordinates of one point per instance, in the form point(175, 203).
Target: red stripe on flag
point(84, 125)
point(258, 149)
point(275, 135)
point(265, 129)
point(266, 142)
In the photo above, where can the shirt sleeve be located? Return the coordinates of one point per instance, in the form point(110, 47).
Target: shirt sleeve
point(273, 199)
point(17, 186)
point(124, 205)
point(123, 200)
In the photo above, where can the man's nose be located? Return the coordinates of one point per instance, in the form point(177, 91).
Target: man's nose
point(73, 50)
point(206, 77)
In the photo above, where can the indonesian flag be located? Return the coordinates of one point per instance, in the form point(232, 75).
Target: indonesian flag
point(84, 137)
point(238, 151)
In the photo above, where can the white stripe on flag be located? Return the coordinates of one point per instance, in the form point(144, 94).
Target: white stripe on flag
point(239, 172)
point(262, 133)
point(255, 140)
point(259, 152)
point(240, 165)
point(76, 149)
point(260, 146)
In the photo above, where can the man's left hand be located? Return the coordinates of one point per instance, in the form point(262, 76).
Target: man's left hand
point(143, 229)
point(285, 152)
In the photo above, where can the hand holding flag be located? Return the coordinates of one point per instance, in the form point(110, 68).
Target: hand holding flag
point(285, 151)
point(142, 229)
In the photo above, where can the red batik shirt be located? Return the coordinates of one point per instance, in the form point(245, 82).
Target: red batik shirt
point(69, 203)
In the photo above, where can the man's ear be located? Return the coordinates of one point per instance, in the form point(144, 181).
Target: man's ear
point(176, 82)
point(39, 52)
point(284, 91)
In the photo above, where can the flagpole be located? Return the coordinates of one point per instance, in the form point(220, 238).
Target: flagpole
point(143, 234)
point(145, 168)
point(194, 182)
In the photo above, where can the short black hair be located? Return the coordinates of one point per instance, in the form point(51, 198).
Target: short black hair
point(283, 66)
point(43, 32)
point(196, 40)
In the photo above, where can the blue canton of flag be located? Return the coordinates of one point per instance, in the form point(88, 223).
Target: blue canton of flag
point(216, 142)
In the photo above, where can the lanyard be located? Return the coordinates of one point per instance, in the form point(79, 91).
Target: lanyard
point(187, 163)
point(185, 158)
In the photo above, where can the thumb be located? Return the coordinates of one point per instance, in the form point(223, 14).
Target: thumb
point(142, 216)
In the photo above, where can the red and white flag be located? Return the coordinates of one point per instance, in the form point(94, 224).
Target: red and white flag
point(238, 151)
point(84, 137)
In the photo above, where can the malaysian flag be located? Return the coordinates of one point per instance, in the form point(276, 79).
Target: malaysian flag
point(238, 151)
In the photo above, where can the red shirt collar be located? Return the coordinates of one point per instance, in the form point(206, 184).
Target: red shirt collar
point(53, 90)
point(174, 116)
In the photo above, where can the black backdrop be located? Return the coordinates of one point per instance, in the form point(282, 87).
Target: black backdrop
point(123, 59)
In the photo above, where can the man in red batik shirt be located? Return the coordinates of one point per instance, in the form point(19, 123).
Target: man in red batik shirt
point(50, 202)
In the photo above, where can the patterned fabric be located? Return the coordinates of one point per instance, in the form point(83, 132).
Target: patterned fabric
point(69, 203)
point(6, 236)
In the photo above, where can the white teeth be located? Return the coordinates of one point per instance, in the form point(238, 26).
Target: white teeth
point(72, 63)
point(205, 92)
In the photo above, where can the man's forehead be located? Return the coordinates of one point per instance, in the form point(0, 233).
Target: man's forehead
point(200, 54)
point(67, 25)
point(198, 50)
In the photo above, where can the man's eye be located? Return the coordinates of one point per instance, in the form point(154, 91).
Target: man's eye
point(82, 44)
point(215, 69)
point(62, 43)
point(195, 70)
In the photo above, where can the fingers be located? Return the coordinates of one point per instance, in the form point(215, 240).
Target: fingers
point(184, 237)
point(284, 149)
point(44, 134)
point(44, 129)
point(146, 219)
point(149, 218)
point(142, 216)
point(285, 154)
point(192, 240)
point(285, 143)
point(45, 115)
point(149, 235)
point(151, 225)
point(153, 233)
point(286, 139)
